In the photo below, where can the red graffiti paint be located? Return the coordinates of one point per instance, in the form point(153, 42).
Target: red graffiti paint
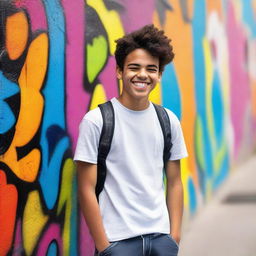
point(8, 206)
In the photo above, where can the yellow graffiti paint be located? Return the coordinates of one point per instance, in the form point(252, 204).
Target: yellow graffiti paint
point(155, 95)
point(31, 109)
point(185, 174)
point(16, 34)
point(65, 201)
point(98, 96)
point(33, 222)
point(208, 91)
point(120, 84)
point(238, 7)
point(110, 19)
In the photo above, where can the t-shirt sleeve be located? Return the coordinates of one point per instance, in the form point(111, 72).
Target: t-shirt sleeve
point(178, 150)
point(88, 141)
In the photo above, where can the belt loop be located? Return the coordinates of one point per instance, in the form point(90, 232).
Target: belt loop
point(143, 245)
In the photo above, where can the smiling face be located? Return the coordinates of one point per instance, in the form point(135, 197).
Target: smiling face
point(140, 76)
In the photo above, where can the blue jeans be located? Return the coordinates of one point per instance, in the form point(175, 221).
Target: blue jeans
point(156, 244)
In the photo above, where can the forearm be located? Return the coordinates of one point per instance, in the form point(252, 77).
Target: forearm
point(86, 179)
point(175, 207)
point(91, 213)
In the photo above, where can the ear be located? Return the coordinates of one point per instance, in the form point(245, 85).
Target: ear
point(119, 72)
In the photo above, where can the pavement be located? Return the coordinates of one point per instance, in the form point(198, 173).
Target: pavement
point(226, 226)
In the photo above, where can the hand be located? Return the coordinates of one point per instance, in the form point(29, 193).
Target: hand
point(103, 246)
point(176, 238)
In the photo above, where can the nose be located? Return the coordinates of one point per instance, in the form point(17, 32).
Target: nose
point(142, 74)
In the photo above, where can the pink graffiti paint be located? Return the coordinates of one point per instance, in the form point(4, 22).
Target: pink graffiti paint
point(136, 14)
point(77, 100)
point(86, 242)
point(52, 233)
point(36, 13)
point(239, 79)
point(108, 78)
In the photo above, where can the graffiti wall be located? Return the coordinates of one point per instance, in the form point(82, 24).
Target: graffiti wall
point(57, 63)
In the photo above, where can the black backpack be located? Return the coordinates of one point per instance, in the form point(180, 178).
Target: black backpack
point(106, 136)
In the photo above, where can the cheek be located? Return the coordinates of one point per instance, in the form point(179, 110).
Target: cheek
point(156, 78)
point(128, 77)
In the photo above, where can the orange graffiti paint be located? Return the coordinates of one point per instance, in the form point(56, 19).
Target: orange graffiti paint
point(16, 34)
point(180, 31)
point(31, 109)
point(214, 6)
point(30, 81)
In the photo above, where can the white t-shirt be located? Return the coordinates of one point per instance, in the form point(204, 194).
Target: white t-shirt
point(132, 202)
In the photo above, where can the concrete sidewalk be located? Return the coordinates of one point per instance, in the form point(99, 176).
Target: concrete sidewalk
point(227, 225)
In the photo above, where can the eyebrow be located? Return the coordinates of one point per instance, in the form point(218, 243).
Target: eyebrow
point(138, 65)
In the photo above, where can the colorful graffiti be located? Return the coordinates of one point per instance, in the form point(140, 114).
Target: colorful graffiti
point(57, 62)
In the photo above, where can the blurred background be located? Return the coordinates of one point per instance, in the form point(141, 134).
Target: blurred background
point(57, 63)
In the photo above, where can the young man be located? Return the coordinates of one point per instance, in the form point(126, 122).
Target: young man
point(133, 216)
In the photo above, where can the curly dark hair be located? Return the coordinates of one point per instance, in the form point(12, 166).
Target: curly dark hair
point(148, 38)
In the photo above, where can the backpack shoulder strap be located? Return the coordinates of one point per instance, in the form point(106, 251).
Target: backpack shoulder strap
point(166, 129)
point(107, 112)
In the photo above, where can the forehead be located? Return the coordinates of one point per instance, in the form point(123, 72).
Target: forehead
point(141, 57)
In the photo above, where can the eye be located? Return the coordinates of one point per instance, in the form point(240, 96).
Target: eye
point(152, 70)
point(133, 68)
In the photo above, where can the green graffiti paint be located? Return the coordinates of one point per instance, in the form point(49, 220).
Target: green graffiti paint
point(96, 57)
point(199, 143)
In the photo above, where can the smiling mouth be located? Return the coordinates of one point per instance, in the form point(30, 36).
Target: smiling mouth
point(141, 84)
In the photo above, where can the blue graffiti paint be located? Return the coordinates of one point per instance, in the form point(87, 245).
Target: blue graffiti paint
point(198, 27)
point(202, 179)
point(192, 196)
point(54, 135)
point(7, 89)
point(249, 16)
point(218, 114)
point(54, 165)
point(52, 250)
point(217, 107)
point(54, 95)
point(170, 90)
point(224, 5)
point(74, 214)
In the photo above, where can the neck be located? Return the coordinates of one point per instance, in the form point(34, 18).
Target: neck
point(134, 104)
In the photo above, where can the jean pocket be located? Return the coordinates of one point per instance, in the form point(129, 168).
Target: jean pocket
point(107, 250)
point(173, 240)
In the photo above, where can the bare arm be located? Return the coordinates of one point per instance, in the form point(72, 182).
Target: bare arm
point(87, 178)
point(174, 198)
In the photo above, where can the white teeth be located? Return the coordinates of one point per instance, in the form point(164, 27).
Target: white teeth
point(140, 85)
